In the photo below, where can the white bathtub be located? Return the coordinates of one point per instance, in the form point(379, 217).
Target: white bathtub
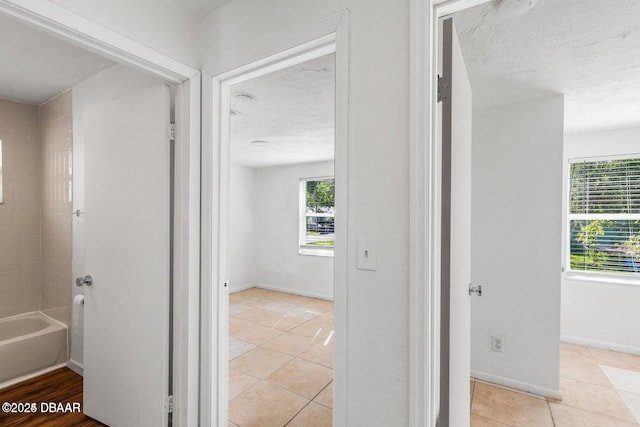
point(29, 343)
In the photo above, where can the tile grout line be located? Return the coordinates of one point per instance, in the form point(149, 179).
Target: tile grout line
point(553, 420)
point(290, 331)
point(587, 355)
point(297, 413)
point(321, 390)
point(309, 402)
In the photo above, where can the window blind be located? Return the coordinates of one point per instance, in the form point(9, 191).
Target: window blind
point(604, 187)
point(604, 216)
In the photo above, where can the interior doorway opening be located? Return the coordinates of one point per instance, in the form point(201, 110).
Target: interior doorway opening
point(67, 230)
point(215, 331)
point(281, 245)
point(571, 336)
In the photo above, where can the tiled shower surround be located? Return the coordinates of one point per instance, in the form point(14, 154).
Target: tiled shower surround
point(35, 218)
point(55, 136)
point(20, 261)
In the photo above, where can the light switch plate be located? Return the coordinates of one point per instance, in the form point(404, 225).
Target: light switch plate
point(367, 254)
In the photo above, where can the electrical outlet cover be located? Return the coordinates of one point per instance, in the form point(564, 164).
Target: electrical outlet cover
point(497, 344)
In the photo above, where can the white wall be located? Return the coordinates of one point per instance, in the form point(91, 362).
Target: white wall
point(263, 246)
point(108, 84)
point(161, 25)
point(377, 302)
point(516, 234)
point(280, 266)
point(600, 313)
point(243, 271)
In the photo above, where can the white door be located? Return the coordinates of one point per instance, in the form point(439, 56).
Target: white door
point(126, 311)
point(456, 114)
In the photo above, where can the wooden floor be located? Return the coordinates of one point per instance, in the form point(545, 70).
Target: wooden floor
point(59, 386)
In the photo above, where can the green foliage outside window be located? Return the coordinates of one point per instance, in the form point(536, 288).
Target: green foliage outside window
point(321, 196)
point(319, 211)
point(604, 216)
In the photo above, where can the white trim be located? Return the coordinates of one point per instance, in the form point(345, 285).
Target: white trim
point(76, 29)
point(277, 48)
point(75, 367)
point(208, 254)
point(292, 292)
point(305, 248)
point(223, 218)
point(33, 375)
point(288, 48)
point(447, 7)
point(323, 251)
point(283, 290)
point(601, 344)
point(421, 365)
point(92, 36)
point(602, 278)
point(341, 252)
point(288, 58)
point(517, 385)
point(612, 216)
point(241, 288)
point(424, 323)
point(187, 253)
point(589, 159)
point(566, 234)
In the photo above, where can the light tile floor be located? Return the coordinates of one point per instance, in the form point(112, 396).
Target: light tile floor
point(280, 360)
point(600, 388)
point(281, 374)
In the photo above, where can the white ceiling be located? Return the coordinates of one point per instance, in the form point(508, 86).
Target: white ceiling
point(292, 109)
point(36, 67)
point(200, 8)
point(588, 50)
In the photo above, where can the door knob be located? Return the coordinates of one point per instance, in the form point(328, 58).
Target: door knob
point(86, 280)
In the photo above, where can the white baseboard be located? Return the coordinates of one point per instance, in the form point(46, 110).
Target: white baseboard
point(601, 344)
point(284, 290)
point(33, 375)
point(234, 289)
point(75, 367)
point(294, 292)
point(517, 385)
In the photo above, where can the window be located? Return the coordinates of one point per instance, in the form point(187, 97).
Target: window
point(604, 216)
point(317, 215)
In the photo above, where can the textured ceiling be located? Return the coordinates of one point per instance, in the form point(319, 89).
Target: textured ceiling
point(292, 109)
point(587, 50)
point(200, 8)
point(36, 67)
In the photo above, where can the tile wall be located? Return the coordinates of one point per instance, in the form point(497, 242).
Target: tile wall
point(35, 218)
point(20, 255)
point(55, 135)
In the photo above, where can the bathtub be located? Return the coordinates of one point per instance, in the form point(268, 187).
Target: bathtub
point(29, 343)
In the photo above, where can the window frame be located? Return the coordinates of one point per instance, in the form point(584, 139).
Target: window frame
point(303, 247)
point(587, 275)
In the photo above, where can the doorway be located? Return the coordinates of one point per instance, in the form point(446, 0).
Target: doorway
point(281, 246)
point(494, 198)
point(217, 163)
point(69, 101)
point(499, 322)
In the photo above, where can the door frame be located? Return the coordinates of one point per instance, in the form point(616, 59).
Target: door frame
point(424, 213)
point(78, 30)
point(329, 35)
